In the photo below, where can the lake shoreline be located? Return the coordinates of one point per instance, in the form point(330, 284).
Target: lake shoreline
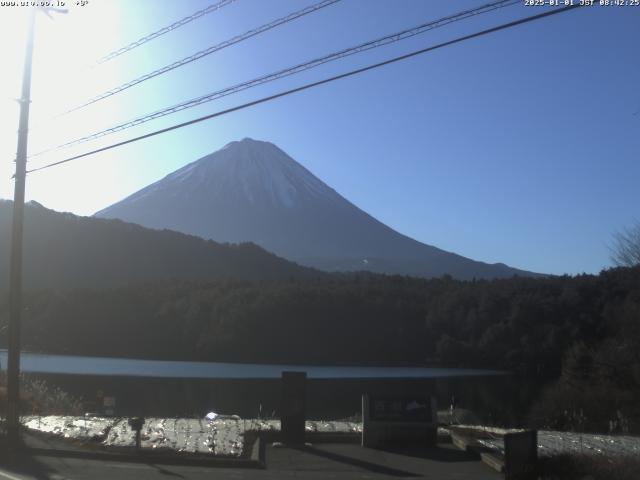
point(116, 366)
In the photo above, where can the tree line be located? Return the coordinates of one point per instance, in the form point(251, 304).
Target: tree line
point(580, 332)
point(524, 324)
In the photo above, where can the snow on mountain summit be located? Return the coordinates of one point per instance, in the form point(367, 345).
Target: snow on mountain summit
point(259, 170)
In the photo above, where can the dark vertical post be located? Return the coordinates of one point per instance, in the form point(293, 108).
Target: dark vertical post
point(136, 424)
point(15, 279)
point(293, 407)
point(521, 455)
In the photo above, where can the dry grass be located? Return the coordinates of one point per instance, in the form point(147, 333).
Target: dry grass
point(40, 397)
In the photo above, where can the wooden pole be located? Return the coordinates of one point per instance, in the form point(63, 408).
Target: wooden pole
point(15, 279)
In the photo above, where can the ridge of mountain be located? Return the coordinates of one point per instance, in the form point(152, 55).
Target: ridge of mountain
point(62, 250)
point(253, 191)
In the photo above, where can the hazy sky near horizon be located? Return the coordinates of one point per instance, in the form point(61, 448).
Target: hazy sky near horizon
point(520, 147)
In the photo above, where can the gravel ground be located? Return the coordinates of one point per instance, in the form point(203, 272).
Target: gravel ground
point(553, 443)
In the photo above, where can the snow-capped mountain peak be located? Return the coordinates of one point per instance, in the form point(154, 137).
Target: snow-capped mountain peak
point(257, 170)
point(251, 190)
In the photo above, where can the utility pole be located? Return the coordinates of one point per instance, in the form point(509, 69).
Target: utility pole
point(15, 279)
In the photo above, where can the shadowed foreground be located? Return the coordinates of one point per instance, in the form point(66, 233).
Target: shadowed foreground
point(339, 461)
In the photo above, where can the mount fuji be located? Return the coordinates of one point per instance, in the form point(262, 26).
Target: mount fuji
point(253, 191)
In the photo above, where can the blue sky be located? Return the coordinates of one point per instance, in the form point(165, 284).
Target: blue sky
point(519, 147)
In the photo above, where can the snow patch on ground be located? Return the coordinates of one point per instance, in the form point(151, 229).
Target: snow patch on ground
point(218, 437)
point(552, 443)
point(77, 428)
point(223, 436)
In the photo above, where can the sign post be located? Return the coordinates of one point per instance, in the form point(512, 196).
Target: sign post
point(521, 455)
point(293, 407)
point(397, 420)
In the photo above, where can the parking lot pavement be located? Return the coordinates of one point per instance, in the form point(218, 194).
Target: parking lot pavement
point(322, 461)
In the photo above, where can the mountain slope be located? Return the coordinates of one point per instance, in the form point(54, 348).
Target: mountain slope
point(253, 191)
point(62, 250)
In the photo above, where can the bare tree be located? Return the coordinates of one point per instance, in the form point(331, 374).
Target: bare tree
point(625, 251)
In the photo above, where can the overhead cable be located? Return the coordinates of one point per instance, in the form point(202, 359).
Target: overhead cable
point(379, 42)
point(203, 53)
point(147, 38)
point(312, 85)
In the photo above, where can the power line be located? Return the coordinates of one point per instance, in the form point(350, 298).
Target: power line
point(379, 42)
point(147, 38)
point(314, 84)
point(205, 52)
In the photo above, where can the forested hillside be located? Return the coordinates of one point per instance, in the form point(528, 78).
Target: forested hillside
point(521, 323)
point(582, 332)
point(62, 250)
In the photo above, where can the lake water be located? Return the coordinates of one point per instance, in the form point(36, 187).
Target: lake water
point(190, 389)
point(76, 365)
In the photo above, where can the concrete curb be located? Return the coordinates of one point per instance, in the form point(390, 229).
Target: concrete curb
point(470, 444)
point(494, 460)
point(317, 437)
point(259, 453)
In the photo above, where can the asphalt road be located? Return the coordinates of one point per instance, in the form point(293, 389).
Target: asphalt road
point(53, 468)
point(328, 461)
